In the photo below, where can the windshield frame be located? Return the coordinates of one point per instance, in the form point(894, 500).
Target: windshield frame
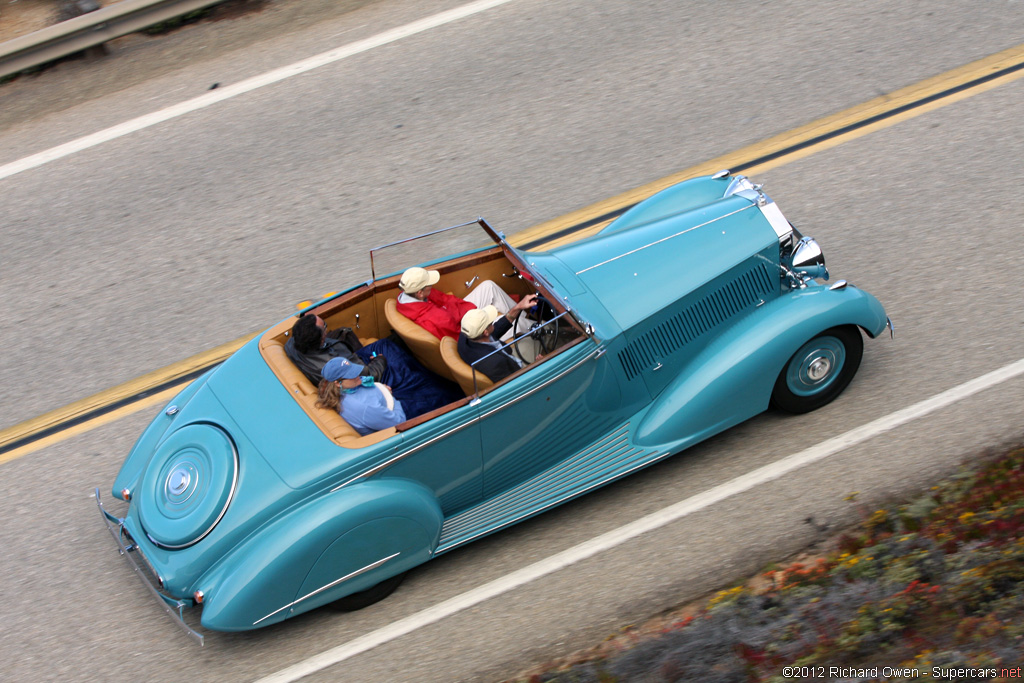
point(515, 257)
point(495, 237)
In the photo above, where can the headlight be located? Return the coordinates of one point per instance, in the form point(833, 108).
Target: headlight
point(808, 259)
point(800, 257)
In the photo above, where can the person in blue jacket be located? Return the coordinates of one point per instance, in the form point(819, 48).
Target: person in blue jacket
point(311, 346)
point(365, 404)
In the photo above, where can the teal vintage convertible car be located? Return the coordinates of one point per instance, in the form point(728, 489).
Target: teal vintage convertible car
point(694, 310)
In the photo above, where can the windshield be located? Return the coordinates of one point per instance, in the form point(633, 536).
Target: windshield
point(430, 248)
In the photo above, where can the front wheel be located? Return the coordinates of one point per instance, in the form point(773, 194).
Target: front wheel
point(819, 371)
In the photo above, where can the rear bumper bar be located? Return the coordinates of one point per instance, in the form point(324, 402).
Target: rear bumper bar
point(126, 546)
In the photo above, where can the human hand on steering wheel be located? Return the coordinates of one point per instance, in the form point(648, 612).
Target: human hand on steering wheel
point(528, 301)
point(546, 334)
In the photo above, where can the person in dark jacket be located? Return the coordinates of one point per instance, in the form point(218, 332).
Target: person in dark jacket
point(480, 328)
point(311, 347)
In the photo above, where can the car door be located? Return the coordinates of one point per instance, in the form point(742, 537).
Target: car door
point(541, 416)
point(443, 454)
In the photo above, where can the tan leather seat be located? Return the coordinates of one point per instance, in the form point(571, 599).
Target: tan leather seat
point(425, 346)
point(461, 370)
point(332, 424)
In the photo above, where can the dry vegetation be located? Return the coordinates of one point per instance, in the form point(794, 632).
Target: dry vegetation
point(938, 583)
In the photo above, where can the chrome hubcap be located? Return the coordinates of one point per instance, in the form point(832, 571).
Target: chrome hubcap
point(178, 481)
point(181, 483)
point(819, 368)
point(816, 365)
point(187, 486)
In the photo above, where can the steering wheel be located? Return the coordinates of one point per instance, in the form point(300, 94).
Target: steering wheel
point(544, 330)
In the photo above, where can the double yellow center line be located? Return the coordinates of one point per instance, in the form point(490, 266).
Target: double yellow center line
point(831, 131)
point(826, 133)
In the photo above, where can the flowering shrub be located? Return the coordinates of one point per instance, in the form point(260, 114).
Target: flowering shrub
point(935, 583)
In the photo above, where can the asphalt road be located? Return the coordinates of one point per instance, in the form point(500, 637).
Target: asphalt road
point(139, 252)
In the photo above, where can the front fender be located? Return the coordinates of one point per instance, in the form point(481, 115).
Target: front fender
point(732, 379)
point(329, 547)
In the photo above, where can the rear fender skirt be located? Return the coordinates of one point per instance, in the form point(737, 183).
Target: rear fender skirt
point(731, 380)
point(329, 547)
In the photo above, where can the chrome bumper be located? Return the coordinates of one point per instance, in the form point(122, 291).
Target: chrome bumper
point(175, 608)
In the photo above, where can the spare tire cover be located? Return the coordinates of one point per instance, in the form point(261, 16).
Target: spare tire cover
point(188, 485)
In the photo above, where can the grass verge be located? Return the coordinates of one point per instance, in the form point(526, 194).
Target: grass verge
point(933, 589)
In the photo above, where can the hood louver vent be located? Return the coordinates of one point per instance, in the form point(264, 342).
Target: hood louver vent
point(741, 293)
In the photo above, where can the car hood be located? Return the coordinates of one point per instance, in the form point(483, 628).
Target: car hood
point(643, 262)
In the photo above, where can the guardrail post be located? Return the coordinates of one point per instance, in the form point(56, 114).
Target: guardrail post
point(69, 9)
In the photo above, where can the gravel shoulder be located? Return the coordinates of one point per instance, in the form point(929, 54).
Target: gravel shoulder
point(139, 57)
point(21, 17)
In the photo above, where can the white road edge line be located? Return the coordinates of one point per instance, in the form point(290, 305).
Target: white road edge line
point(653, 521)
point(229, 91)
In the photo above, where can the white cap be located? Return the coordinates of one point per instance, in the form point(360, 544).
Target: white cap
point(414, 279)
point(476, 321)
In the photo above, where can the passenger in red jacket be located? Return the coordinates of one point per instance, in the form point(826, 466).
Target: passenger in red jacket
point(441, 314)
point(433, 310)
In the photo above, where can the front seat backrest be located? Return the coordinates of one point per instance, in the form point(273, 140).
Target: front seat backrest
point(461, 370)
point(425, 346)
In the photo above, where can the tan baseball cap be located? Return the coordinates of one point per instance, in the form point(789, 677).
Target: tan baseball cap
point(476, 321)
point(414, 279)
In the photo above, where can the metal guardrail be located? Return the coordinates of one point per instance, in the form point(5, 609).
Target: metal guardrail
point(89, 30)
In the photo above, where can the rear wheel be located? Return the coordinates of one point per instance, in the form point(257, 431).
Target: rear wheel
point(819, 371)
point(356, 601)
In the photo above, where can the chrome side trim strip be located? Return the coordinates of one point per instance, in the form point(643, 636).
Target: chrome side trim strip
point(570, 471)
point(405, 454)
point(330, 585)
point(115, 526)
point(665, 239)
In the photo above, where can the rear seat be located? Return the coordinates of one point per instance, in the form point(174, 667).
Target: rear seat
point(329, 421)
